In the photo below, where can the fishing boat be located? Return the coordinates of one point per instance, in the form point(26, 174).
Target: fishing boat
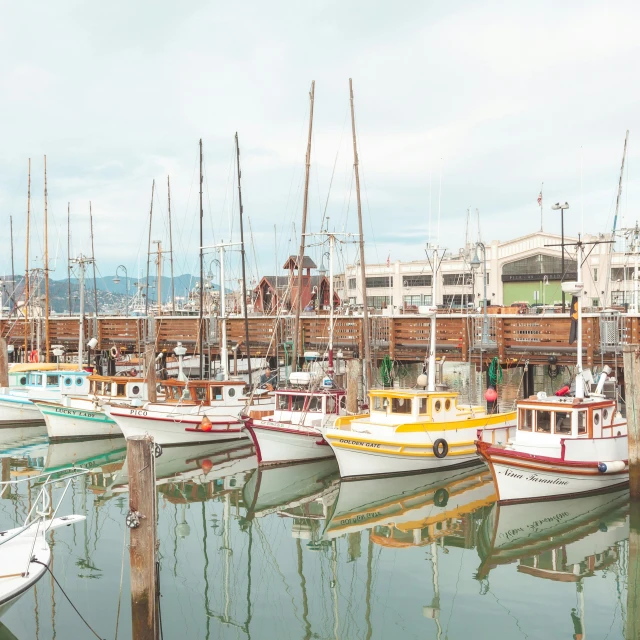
point(410, 430)
point(24, 551)
point(192, 412)
point(83, 416)
point(564, 445)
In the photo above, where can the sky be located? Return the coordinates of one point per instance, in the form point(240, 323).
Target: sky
point(459, 106)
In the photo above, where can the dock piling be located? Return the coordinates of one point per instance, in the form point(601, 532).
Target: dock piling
point(633, 574)
point(4, 363)
point(150, 372)
point(631, 355)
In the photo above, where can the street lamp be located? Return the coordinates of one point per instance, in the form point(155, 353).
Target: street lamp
point(116, 280)
point(561, 207)
point(475, 265)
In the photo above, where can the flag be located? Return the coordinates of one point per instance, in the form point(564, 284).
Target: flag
point(540, 199)
point(573, 332)
point(389, 260)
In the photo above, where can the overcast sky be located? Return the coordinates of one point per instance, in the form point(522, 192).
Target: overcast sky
point(497, 97)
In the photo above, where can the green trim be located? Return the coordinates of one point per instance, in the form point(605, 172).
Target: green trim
point(95, 417)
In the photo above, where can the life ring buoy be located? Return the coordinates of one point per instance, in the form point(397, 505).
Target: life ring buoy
point(440, 498)
point(440, 448)
point(33, 356)
point(114, 352)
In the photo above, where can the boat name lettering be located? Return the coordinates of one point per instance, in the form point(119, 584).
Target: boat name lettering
point(371, 445)
point(535, 478)
point(74, 412)
point(360, 518)
point(137, 412)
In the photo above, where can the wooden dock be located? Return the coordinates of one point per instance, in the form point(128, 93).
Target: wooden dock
point(405, 338)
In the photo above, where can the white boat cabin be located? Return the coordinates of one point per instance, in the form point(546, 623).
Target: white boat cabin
point(48, 384)
point(118, 388)
point(311, 408)
point(206, 392)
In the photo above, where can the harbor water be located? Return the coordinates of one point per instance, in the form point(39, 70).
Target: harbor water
point(291, 552)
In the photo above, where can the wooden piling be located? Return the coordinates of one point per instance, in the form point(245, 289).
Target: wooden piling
point(150, 371)
point(631, 355)
point(633, 575)
point(4, 363)
point(142, 542)
point(354, 374)
point(6, 469)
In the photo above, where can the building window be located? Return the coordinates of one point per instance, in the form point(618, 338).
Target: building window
point(352, 283)
point(621, 273)
point(457, 279)
point(378, 302)
point(621, 298)
point(379, 282)
point(595, 274)
point(452, 301)
point(417, 281)
point(595, 302)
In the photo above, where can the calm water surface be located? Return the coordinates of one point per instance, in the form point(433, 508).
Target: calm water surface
point(293, 553)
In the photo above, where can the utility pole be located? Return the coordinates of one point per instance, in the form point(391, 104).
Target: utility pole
point(363, 275)
point(298, 302)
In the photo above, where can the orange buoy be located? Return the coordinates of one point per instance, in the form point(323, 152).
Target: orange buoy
point(491, 395)
point(205, 425)
point(207, 465)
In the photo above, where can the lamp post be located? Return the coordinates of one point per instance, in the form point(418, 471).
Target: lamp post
point(561, 207)
point(475, 264)
point(116, 280)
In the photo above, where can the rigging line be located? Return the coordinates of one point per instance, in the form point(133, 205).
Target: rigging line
point(324, 213)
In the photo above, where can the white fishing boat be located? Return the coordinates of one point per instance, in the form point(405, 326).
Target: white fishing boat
point(564, 445)
point(24, 551)
point(193, 412)
point(84, 416)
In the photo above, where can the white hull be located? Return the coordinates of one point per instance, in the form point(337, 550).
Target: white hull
point(515, 483)
point(19, 412)
point(89, 454)
point(281, 446)
point(357, 463)
point(64, 422)
point(171, 428)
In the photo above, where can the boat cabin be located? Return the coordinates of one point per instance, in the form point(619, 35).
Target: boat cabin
point(291, 404)
point(204, 392)
point(49, 382)
point(118, 387)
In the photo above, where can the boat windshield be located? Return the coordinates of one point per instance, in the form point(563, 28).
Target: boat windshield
point(53, 380)
point(543, 421)
point(315, 403)
point(283, 401)
point(400, 405)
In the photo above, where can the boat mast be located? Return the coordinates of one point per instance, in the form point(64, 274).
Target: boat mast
point(69, 254)
point(173, 291)
point(26, 281)
point(578, 294)
point(244, 274)
point(46, 269)
point(93, 261)
point(296, 325)
point(159, 276)
point(363, 276)
point(431, 372)
point(81, 264)
point(200, 325)
point(332, 242)
point(146, 297)
point(13, 273)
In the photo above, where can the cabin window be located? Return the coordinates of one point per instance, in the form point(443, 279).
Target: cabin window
point(596, 418)
point(543, 421)
point(68, 382)
point(107, 388)
point(526, 420)
point(331, 404)
point(201, 394)
point(232, 392)
point(135, 389)
point(53, 381)
point(582, 422)
point(423, 405)
point(23, 380)
point(315, 403)
point(400, 405)
point(447, 404)
point(563, 422)
point(174, 392)
point(216, 393)
point(605, 415)
point(35, 379)
point(283, 402)
point(121, 389)
point(437, 405)
point(79, 382)
point(297, 403)
point(343, 402)
point(378, 403)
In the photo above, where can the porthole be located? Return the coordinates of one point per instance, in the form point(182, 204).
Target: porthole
point(23, 380)
point(79, 382)
point(605, 415)
point(596, 419)
point(438, 405)
point(232, 392)
point(135, 389)
point(447, 405)
point(68, 382)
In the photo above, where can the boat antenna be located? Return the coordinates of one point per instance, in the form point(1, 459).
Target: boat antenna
point(173, 290)
point(244, 274)
point(200, 327)
point(363, 275)
point(298, 301)
point(46, 268)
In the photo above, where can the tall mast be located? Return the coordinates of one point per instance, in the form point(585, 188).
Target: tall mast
point(200, 327)
point(146, 297)
point(244, 273)
point(296, 326)
point(13, 273)
point(624, 155)
point(363, 276)
point(93, 262)
point(81, 267)
point(26, 280)
point(159, 276)
point(173, 291)
point(46, 268)
point(69, 255)
point(431, 372)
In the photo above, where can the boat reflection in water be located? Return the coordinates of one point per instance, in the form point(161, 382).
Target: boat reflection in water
point(563, 540)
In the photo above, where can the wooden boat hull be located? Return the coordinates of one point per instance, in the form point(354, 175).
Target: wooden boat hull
point(522, 478)
point(65, 422)
point(175, 428)
point(279, 444)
